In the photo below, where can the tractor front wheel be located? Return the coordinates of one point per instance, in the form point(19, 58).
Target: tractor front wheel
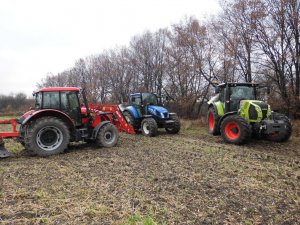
point(149, 127)
point(47, 136)
point(175, 128)
point(108, 136)
point(235, 130)
point(212, 120)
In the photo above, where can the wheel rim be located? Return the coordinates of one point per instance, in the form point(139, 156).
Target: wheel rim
point(211, 121)
point(49, 138)
point(109, 137)
point(146, 128)
point(232, 130)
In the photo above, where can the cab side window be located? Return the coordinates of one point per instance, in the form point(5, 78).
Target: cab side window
point(51, 100)
point(136, 100)
point(64, 101)
point(73, 101)
point(38, 100)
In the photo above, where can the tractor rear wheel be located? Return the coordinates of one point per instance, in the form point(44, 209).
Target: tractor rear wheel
point(235, 130)
point(283, 135)
point(108, 136)
point(175, 128)
point(212, 120)
point(47, 136)
point(149, 127)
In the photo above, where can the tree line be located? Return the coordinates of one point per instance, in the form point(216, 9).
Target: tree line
point(248, 41)
point(15, 104)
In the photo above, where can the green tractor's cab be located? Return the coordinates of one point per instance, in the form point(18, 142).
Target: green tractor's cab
point(236, 114)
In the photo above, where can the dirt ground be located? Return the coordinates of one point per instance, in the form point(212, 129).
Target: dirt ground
point(190, 178)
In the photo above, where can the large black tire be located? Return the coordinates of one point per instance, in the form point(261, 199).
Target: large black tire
point(235, 130)
point(212, 121)
point(47, 136)
point(108, 136)
point(149, 127)
point(175, 128)
point(130, 119)
point(283, 135)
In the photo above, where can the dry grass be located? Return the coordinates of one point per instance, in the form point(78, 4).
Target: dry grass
point(296, 128)
point(191, 178)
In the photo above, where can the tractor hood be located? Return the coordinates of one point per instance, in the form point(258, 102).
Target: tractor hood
point(158, 111)
point(157, 108)
point(254, 110)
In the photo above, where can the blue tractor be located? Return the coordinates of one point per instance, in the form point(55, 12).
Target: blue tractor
point(145, 113)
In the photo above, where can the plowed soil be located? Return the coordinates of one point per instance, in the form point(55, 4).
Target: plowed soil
point(190, 178)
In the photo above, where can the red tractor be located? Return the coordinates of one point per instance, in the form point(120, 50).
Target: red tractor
point(63, 115)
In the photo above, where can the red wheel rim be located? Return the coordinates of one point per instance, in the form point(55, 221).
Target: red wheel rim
point(211, 121)
point(232, 130)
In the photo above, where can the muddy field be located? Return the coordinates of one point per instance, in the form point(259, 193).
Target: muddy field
point(190, 178)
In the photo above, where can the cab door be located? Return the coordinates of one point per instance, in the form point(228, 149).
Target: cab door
point(70, 105)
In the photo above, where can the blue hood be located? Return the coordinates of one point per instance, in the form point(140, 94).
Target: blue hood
point(157, 108)
point(158, 111)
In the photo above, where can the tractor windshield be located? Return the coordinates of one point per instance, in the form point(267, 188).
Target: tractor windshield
point(38, 100)
point(149, 99)
point(242, 92)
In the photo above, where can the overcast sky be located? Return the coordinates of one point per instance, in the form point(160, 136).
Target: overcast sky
point(42, 36)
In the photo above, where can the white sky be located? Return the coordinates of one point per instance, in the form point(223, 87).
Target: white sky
point(42, 36)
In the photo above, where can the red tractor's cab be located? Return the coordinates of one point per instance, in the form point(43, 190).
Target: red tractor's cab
point(65, 100)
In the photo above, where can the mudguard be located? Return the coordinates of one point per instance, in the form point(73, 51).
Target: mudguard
point(225, 116)
point(218, 106)
point(133, 111)
point(97, 128)
point(45, 112)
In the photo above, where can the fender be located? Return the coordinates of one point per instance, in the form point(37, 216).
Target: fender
point(133, 111)
point(225, 116)
point(218, 107)
point(97, 128)
point(31, 115)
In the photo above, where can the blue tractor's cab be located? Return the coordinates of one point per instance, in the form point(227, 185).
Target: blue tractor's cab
point(145, 113)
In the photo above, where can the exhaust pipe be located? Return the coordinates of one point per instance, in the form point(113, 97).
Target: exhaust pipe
point(3, 151)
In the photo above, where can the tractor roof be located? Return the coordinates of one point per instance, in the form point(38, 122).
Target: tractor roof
point(139, 93)
point(49, 89)
point(233, 84)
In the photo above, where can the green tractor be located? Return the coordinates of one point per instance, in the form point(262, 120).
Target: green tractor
point(236, 114)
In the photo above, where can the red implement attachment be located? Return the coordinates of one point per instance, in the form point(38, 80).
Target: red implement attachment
point(7, 134)
point(10, 134)
point(116, 116)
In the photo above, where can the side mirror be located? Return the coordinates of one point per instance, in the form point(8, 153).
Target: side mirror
point(217, 90)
